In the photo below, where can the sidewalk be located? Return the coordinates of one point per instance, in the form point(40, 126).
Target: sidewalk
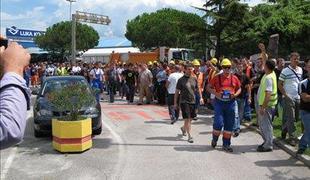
point(286, 147)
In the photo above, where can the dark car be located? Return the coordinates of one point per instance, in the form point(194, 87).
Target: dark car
point(43, 111)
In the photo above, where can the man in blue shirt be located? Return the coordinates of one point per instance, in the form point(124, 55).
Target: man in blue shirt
point(304, 142)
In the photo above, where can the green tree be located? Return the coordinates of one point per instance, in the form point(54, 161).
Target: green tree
point(167, 27)
point(290, 19)
point(227, 20)
point(238, 28)
point(57, 38)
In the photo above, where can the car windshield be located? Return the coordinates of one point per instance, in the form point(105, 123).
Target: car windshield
point(57, 84)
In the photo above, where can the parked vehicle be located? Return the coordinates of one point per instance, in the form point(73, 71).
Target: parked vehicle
point(44, 112)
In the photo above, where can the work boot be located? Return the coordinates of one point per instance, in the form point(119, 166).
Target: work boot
point(213, 144)
point(262, 149)
point(228, 149)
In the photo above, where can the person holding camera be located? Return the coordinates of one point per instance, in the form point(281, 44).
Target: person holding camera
point(226, 87)
point(14, 94)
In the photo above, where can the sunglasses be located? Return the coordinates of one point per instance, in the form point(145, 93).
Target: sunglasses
point(226, 67)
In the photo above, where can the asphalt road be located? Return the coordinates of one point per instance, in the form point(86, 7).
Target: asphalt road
point(139, 143)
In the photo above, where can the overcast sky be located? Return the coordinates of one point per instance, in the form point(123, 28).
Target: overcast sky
point(40, 14)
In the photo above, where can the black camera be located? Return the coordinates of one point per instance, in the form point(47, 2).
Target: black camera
point(4, 42)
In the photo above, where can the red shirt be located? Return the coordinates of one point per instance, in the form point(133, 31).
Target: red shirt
point(221, 83)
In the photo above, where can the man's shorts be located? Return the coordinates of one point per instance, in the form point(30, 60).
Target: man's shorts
point(188, 110)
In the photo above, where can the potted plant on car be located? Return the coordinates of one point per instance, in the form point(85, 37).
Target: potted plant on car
point(71, 132)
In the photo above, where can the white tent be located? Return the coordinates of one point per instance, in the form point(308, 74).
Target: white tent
point(103, 54)
point(36, 50)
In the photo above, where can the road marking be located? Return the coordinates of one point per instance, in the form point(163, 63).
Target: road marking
point(8, 162)
point(122, 158)
point(163, 113)
point(13, 151)
point(118, 116)
point(144, 115)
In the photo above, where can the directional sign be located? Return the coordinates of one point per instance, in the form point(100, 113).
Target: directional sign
point(92, 18)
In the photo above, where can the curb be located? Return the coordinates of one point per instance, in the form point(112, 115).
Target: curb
point(287, 148)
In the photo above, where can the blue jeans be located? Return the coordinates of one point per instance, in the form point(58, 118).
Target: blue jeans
point(96, 84)
point(305, 140)
point(239, 107)
point(197, 100)
point(247, 111)
point(224, 118)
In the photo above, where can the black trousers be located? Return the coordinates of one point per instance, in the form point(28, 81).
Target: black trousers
point(130, 92)
point(162, 93)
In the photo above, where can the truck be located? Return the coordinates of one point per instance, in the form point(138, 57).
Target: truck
point(132, 55)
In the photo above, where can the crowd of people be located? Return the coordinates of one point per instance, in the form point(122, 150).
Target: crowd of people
point(232, 88)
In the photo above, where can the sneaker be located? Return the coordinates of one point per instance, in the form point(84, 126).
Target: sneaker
point(195, 118)
point(173, 121)
point(183, 131)
point(260, 146)
point(299, 137)
point(236, 133)
point(262, 149)
point(213, 144)
point(292, 142)
point(139, 104)
point(190, 140)
point(300, 151)
point(228, 149)
point(283, 135)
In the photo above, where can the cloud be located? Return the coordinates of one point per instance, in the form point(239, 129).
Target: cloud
point(120, 11)
point(46, 13)
point(32, 19)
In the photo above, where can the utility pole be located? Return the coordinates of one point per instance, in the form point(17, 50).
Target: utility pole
point(73, 39)
point(71, 1)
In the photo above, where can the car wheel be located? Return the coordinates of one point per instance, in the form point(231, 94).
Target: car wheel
point(37, 134)
point(97, 131)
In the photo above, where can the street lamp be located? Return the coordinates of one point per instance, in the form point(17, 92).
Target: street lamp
point(71, 1)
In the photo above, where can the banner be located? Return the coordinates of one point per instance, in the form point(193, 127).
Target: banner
point(22, 34)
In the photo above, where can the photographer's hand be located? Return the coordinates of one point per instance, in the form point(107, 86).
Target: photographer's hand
point(14, 58)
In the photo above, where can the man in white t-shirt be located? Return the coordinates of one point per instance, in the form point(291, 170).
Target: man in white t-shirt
point(289, 80)
point(171, 86)
point(76, 69)
point(50, 70)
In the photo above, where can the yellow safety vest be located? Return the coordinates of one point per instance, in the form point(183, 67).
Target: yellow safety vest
point(274, 95)
point(62, 71)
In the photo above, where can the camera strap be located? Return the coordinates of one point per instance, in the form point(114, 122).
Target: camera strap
point(22, 89)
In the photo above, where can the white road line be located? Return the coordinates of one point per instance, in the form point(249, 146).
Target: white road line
point(8, 163)
point(122, 158)
point(13, 151)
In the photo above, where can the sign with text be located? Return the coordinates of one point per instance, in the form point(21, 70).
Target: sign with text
point(22, 34)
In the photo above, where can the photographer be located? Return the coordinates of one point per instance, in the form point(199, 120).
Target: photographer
point(14, 98)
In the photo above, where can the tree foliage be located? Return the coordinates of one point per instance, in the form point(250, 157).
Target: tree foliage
point(167, 27)
point(71, 98)
point(57, 38)
point(239, 28)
